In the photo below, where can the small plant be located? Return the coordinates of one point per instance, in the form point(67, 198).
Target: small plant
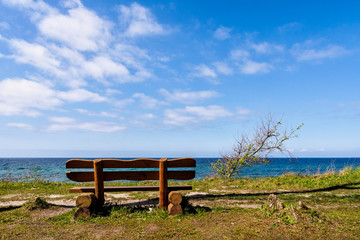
point(287, 219)
point(38, 203)
point(269, 136)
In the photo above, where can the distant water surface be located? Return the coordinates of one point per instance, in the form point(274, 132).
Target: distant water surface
point(53, 169)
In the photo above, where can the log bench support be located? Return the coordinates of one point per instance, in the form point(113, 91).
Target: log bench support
point(99, 181)
point(163, 184)
point(99, 176)
point(175, 200)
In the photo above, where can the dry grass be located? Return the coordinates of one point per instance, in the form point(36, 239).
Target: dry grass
point(220, 210)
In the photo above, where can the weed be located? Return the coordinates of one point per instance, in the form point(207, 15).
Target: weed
point(37, 203)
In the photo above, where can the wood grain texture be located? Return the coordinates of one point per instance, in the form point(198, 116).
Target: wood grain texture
point(163, 184)
point(129, 175)
point(175, 209)
point(129, 188)
point(99, 181)
point(175, 197)
point(82, 212)
point(79, 163)
point(86, 200)
point(134, 163)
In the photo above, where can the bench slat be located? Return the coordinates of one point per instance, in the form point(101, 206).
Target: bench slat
point(129, 188)
point(181, 162)
point(135, 163)
point(79, 163)
point(130, 175)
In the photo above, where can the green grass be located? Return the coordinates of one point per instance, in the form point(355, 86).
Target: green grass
point(333, 200)
point(349, 177)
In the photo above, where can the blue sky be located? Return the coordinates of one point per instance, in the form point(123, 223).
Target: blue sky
point(176, 78)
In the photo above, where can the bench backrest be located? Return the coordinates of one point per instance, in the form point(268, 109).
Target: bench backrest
point(134, 164)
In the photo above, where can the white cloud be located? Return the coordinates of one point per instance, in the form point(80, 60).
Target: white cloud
point(222, 33)
point(188, 97)
point(289, 26)
point(164, 59)
point(239, 54)
point(62, 120)
point(223, 68)
point(123, 103)
point(101, 67)
point(147, 101)
point(106, 127)
point(266, 48)
point(148, 116)
point(243, 111)
point(19, 3)
point(4, 25)
point(80, 95)
point(72, 3)
point(35, 54)
point(204, 71)
point(303, 53)
point(97, 114)
point(74, 46)
point(36, 7)
point(251, 67)
point(194, 114)
point(81, 29)
point(20, 125)
point(138, 21)
point(130, 54)
point(24, 97)
point(111, 92)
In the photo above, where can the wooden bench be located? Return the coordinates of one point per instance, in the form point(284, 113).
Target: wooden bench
point(99, 176)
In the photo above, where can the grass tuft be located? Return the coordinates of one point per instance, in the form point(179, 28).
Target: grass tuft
point(36, 203)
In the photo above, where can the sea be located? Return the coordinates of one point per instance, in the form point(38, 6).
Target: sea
point(53, 169)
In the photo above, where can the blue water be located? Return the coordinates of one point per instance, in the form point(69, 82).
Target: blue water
point(53, 169)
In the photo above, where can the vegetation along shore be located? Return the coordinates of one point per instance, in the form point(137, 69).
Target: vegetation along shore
point(307, 207)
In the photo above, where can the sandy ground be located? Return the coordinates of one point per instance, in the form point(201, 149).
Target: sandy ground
point(122, 199)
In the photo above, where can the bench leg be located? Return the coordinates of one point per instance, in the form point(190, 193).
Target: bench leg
point(163, 184)
point(99, 182)
point(175, 200)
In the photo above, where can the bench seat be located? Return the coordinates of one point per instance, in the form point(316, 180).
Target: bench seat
point(129, 188)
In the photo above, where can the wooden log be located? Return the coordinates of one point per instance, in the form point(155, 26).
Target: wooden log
point(163, 184)
point(175, 209)
point(128, 188)
point(130, 175)
point(82, 212)
point(175, 198)
point(86, 201)
point(134, 163)
point(99, 182)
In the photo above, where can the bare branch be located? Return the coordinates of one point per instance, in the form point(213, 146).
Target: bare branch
point(268, 137)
